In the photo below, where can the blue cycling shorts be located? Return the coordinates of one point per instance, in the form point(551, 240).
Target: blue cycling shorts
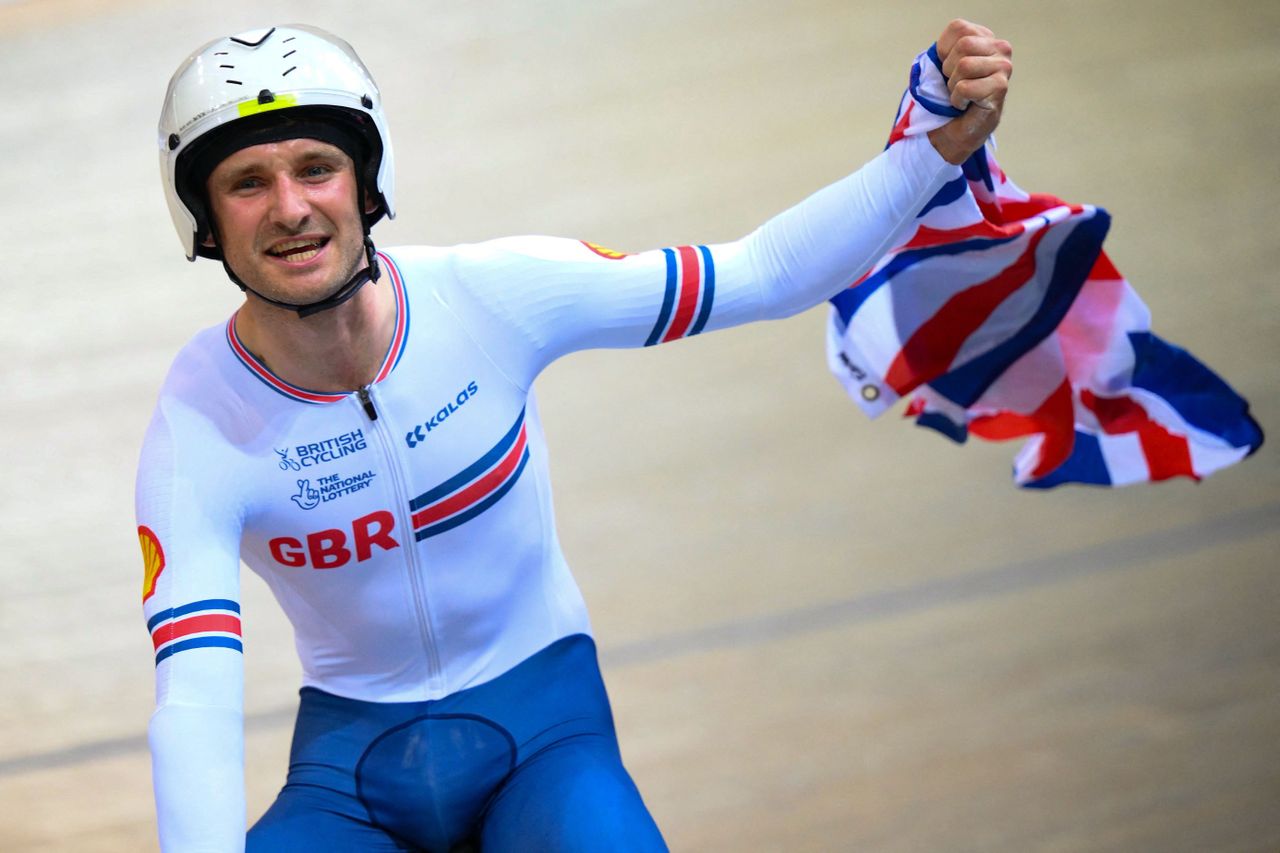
point(526, 762)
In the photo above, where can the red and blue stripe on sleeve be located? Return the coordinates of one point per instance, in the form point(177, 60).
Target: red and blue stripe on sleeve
point(690, 292)
point(211, 623)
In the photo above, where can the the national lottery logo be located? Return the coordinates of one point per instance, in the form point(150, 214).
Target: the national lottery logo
point(329, 488)
point(307, 497)
point(314, 453)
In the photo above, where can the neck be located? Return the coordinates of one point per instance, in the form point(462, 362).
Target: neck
point(334, 351)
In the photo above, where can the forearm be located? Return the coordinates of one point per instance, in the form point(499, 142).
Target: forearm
point(550, 297)
point(197, 760)
point(810, 252)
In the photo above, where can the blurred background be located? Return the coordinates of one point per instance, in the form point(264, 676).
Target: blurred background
point(819, 633)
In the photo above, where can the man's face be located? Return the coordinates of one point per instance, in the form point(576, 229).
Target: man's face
point(287, 218)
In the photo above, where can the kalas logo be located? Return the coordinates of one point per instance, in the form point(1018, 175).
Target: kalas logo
point(418, 434)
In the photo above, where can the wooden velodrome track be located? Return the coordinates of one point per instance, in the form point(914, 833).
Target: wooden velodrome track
point(819, 633)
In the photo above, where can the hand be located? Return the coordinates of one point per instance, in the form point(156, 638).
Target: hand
point(978, 67)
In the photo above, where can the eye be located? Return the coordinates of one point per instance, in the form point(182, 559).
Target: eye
point(317, 170)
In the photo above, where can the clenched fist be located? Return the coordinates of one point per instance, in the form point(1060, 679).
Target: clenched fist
point(978, 67)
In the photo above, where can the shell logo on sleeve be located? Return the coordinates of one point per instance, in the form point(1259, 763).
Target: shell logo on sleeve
point(152, 560)
point(611, 254)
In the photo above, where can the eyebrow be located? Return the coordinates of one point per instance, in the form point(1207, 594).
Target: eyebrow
point(319, 152)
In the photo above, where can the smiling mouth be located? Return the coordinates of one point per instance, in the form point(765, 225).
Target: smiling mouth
point(298, 250)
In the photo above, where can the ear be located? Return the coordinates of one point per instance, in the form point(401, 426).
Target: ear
point(208, 242)
point(370, 203)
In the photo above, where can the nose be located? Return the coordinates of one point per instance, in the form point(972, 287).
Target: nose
point(290, 206)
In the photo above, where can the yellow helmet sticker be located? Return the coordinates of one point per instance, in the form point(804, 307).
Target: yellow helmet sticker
point(255, 106)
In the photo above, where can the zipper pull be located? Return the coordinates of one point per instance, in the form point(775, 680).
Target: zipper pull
point(367, 402)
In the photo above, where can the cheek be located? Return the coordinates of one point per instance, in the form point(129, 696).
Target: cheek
point(236, 225)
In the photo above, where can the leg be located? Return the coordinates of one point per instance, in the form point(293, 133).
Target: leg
point(304, 819)
point(573, 797)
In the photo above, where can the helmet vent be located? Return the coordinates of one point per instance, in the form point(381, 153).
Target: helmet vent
point(289, 54)
point(253, 39)
point(236, 82)
point(286, 73)
point(226, 66)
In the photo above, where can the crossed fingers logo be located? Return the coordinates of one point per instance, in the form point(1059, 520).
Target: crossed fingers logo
point(307, 497)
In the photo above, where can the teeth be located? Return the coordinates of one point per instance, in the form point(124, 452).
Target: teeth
point(292, 244)
point(290, 250)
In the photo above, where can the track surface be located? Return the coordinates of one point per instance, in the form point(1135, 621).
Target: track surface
point(819, 633)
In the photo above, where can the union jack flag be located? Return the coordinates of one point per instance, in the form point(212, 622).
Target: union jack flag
point(1002, 317)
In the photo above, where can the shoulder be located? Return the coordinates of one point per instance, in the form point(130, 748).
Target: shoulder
point(503, 252)
point(199, 372)
point(206, 395)
point(197, 366)
point(515, 278)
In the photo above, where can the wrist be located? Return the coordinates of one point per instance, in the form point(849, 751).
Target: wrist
point(953, 150)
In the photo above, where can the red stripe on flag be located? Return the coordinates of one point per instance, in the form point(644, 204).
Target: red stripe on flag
point(1054, 420)
point(934, 345)
point(689, 281)
point(926, 236)
point(195, 625)
point(1103, 269)
point(900, 129)
point(474, 492)
point(1167, 455)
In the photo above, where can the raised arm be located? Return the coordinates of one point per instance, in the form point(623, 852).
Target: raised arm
point(553, 296)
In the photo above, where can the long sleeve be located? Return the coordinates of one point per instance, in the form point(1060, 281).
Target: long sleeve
point(189, 533)
point(551, 296)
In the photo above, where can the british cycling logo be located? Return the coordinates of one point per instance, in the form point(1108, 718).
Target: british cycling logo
point(318, 452)
point(329, 488)
point(418, 434)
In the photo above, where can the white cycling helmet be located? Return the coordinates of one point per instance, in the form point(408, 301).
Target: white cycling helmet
point(271, 84)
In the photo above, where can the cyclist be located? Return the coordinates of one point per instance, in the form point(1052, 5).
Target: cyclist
point(362, 434)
